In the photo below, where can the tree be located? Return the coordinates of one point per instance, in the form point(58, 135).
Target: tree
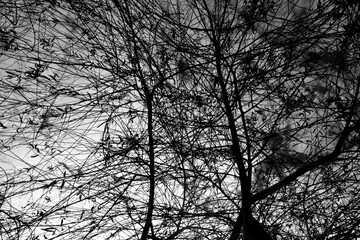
point(180, 119)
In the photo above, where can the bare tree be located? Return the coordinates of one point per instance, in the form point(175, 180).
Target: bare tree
point(179, 119)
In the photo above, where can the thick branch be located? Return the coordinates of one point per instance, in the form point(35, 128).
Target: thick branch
point(327, 159)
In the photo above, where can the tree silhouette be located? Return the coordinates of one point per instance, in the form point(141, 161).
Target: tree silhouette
point(179, 119)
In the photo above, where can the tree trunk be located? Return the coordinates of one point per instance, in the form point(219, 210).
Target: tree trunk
point(253, 230)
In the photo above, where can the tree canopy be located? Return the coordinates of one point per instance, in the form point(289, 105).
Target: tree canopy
point(179, 119)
